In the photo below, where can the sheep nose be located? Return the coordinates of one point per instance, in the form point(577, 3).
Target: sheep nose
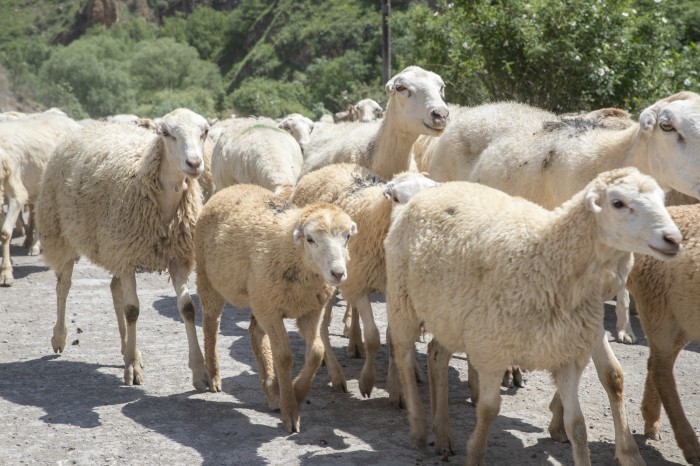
point(194, 163)
point(673, 240)
point(440, 113)
point(338, 274)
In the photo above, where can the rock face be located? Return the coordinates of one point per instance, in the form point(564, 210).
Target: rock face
point(12, 101)
point(93, 12)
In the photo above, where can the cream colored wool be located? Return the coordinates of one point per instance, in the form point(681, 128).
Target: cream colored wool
point(255, 250)
point(477, 266)
point(99, 201)
point(363, 195)
point(667, 302)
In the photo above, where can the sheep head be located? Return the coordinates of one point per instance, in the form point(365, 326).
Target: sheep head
point(671, 130)
point(416, 100)
point(183, 133)
point(631, 214)
point(323, 232)
point(405, 185)
point(367, 110)
point(299, 126)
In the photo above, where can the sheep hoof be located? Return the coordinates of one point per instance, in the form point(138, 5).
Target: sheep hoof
point(397, 402)
point(35, 250)
point(653, 435)
point(366, 391)
point(6, 278)
point(292, 424)
point(58, 344)
point(558, 435)
point(355, 351)
point(694, 460)
point(340, 385)
point(628, 338)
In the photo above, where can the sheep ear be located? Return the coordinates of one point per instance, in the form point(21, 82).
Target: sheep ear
point(284, 124)
point(389, 87)
point(388, 191)
point(648, 118)
point(353, 228)
point(161, 129)
point(592, 198)
point(298, 234)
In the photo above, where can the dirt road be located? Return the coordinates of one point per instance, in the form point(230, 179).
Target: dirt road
point(73, 408)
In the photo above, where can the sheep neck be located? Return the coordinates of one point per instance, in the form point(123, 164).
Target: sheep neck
point(390, 148)
point(173, 184)
point(624, 148)
point(588, 265)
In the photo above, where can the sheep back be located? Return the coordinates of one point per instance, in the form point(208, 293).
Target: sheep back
point(261, 154)
point(99, 200)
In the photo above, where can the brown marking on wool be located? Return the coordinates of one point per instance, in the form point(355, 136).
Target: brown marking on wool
point(131, 313)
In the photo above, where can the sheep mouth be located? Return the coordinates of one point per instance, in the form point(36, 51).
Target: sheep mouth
point(434, 129)
point(667, 253)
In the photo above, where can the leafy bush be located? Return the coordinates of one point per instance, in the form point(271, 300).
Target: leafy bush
point(564, 56)
point(262, 96)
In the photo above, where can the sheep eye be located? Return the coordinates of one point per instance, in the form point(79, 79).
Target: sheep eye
point(400, 88)
point(310, 240)
point(666, 126)
point(205, 134)
point(618, 204)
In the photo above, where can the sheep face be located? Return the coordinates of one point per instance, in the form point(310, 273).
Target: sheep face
point(367, 110)
point(298, 126)
point(405, 185)
point(631, 214)
point(673, 128)
point(183, 133)
point(417, 95)
point(323, 233)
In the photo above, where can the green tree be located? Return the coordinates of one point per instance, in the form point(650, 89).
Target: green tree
point(261, 96)
point(564, 56)
point(92, 70)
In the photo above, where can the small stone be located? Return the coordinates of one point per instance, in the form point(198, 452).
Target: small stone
point(75, 342)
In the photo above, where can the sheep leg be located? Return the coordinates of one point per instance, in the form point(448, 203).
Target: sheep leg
point(372, 342)
point(625, 334)
point(178, 274)
point(132, 357)
point(355, 347)
point(31, 240)
point(273, 326)
point(473, 382)
point(309, 327)
point(393, 385)
point(438, 366)
point(266, 367)
point(567, 379)
point(486, 412)
point(660, 371)
point(347, 322)
point(115, 287)
point(212, 306)
point(334, 371)
point(63, 283)
point(13, 211)
point(19, 227)
point(611, 377)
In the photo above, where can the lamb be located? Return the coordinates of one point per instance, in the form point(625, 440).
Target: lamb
point(126, 198)
point(347, 115)
point(508, 266)
point(369, 201)
point(25, 147)
point(667, 303)
point(415, 107)
point(255, 250)
point(262, 155)
point(487, 144)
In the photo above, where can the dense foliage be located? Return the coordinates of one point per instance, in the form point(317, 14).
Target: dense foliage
point(313, 57)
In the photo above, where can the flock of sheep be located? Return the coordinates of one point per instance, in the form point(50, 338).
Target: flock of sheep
point(500, 230)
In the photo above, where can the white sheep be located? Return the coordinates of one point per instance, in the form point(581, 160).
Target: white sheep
point(25, 146)
point(529, 152)
point(126, 198)
point(415, 107)
point(254, 250)
point(299, 126)
point(667, 300)
point(264, 155)
point(477, 266)
point(369, 200)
